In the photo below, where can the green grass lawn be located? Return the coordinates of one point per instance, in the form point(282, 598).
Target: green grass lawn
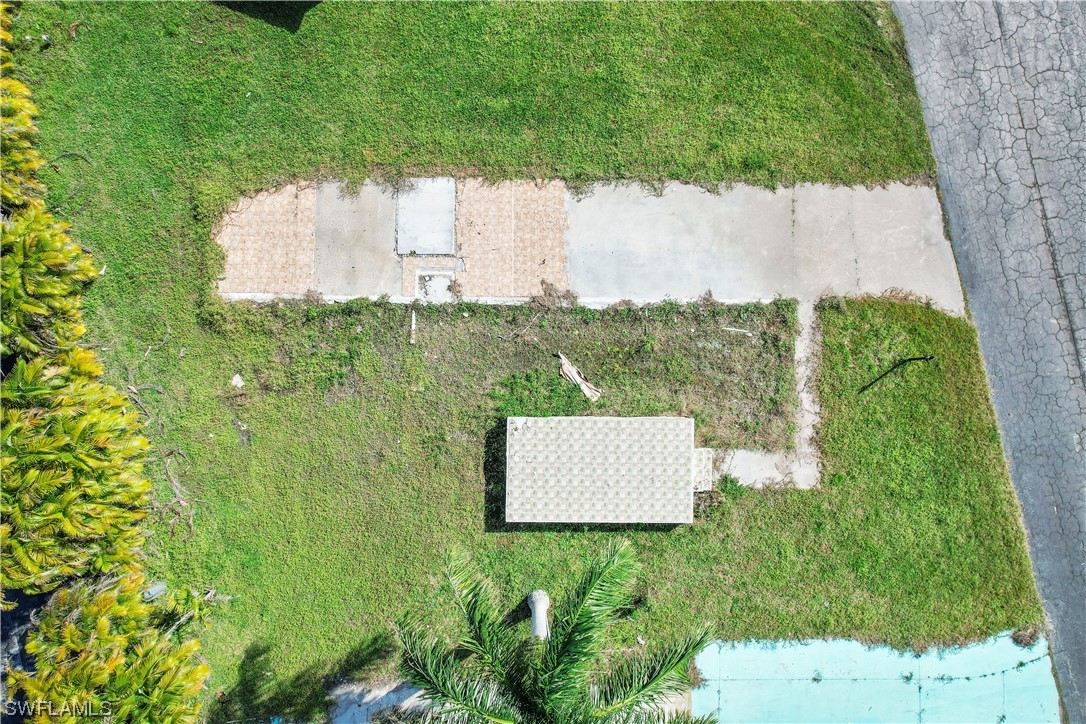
point(365, 457)
point(331, 483)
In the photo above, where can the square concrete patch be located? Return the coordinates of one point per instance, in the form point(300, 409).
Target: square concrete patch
point(626, 243)
point(355, 254)
point(435, 287)
point(426, 218)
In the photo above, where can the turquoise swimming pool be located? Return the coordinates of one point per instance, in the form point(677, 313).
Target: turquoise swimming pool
point(845, 681)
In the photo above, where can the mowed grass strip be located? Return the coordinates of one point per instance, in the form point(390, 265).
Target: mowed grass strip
point(706, 92)
point(927, 519)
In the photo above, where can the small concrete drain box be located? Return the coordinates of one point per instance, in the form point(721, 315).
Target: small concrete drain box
point(426, 218)
point(599, 470)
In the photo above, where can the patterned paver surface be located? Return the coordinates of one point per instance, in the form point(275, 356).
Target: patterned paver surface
point(1004, 88)
point(511, 237)
point(519, 239)
point(269, 243)
point(599, 470)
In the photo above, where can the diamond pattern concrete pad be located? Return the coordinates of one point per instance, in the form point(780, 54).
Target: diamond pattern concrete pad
point(511, 237)
point(599, 470)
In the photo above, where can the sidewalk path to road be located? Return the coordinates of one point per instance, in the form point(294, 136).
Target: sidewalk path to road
point(510, 241)
point(1004, 93)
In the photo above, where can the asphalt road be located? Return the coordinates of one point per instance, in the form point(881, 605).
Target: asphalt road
point(1004, 93)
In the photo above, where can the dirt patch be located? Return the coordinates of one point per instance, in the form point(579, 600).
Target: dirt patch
point(1027, 637)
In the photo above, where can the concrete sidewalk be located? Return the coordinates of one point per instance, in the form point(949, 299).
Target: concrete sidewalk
point(754, 244)
point(508, 242)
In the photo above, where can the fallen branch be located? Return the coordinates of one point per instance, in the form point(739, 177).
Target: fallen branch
point(574, 375)
point(522, 330)
point(161, 342)
point(740, 331)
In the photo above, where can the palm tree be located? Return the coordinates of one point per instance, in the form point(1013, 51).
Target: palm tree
point(497, 675)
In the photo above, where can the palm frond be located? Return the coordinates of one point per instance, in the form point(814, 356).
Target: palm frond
point(456, 692)
point(657, 716)
point(687, 718)
point(580, 623)
point(644, 681)
point(489, 637)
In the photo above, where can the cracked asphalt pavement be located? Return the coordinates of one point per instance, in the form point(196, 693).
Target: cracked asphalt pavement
point(1004, 94)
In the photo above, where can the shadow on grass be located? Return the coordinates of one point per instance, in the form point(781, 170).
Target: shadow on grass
point(257, 697)
point(285, 14)
point(494, 498)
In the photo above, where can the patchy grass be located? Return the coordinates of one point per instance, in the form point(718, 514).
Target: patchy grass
point(365, 457)
point(332, 481)
point(368, 456)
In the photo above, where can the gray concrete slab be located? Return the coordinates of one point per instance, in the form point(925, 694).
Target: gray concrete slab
point(425, 218)
point(900, 244)
point(354, 253)
point(748, 244)
point(824, 260)
point(1004, 93)
point(626, 243)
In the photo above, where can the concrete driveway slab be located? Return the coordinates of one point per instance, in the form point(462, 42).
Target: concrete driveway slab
point(425, 217)
point(900, 244)
point(626, 243)
point(748, 244)
point(824, 259)
point(517, 239)
point(355, 240)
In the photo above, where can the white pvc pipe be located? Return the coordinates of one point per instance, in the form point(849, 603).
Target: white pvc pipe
point(539, 602)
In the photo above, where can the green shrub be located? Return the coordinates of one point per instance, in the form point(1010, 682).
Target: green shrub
point(42, 271)
point(100, 649)
point(19, 160)
point(42, 274)
point(73, 493)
